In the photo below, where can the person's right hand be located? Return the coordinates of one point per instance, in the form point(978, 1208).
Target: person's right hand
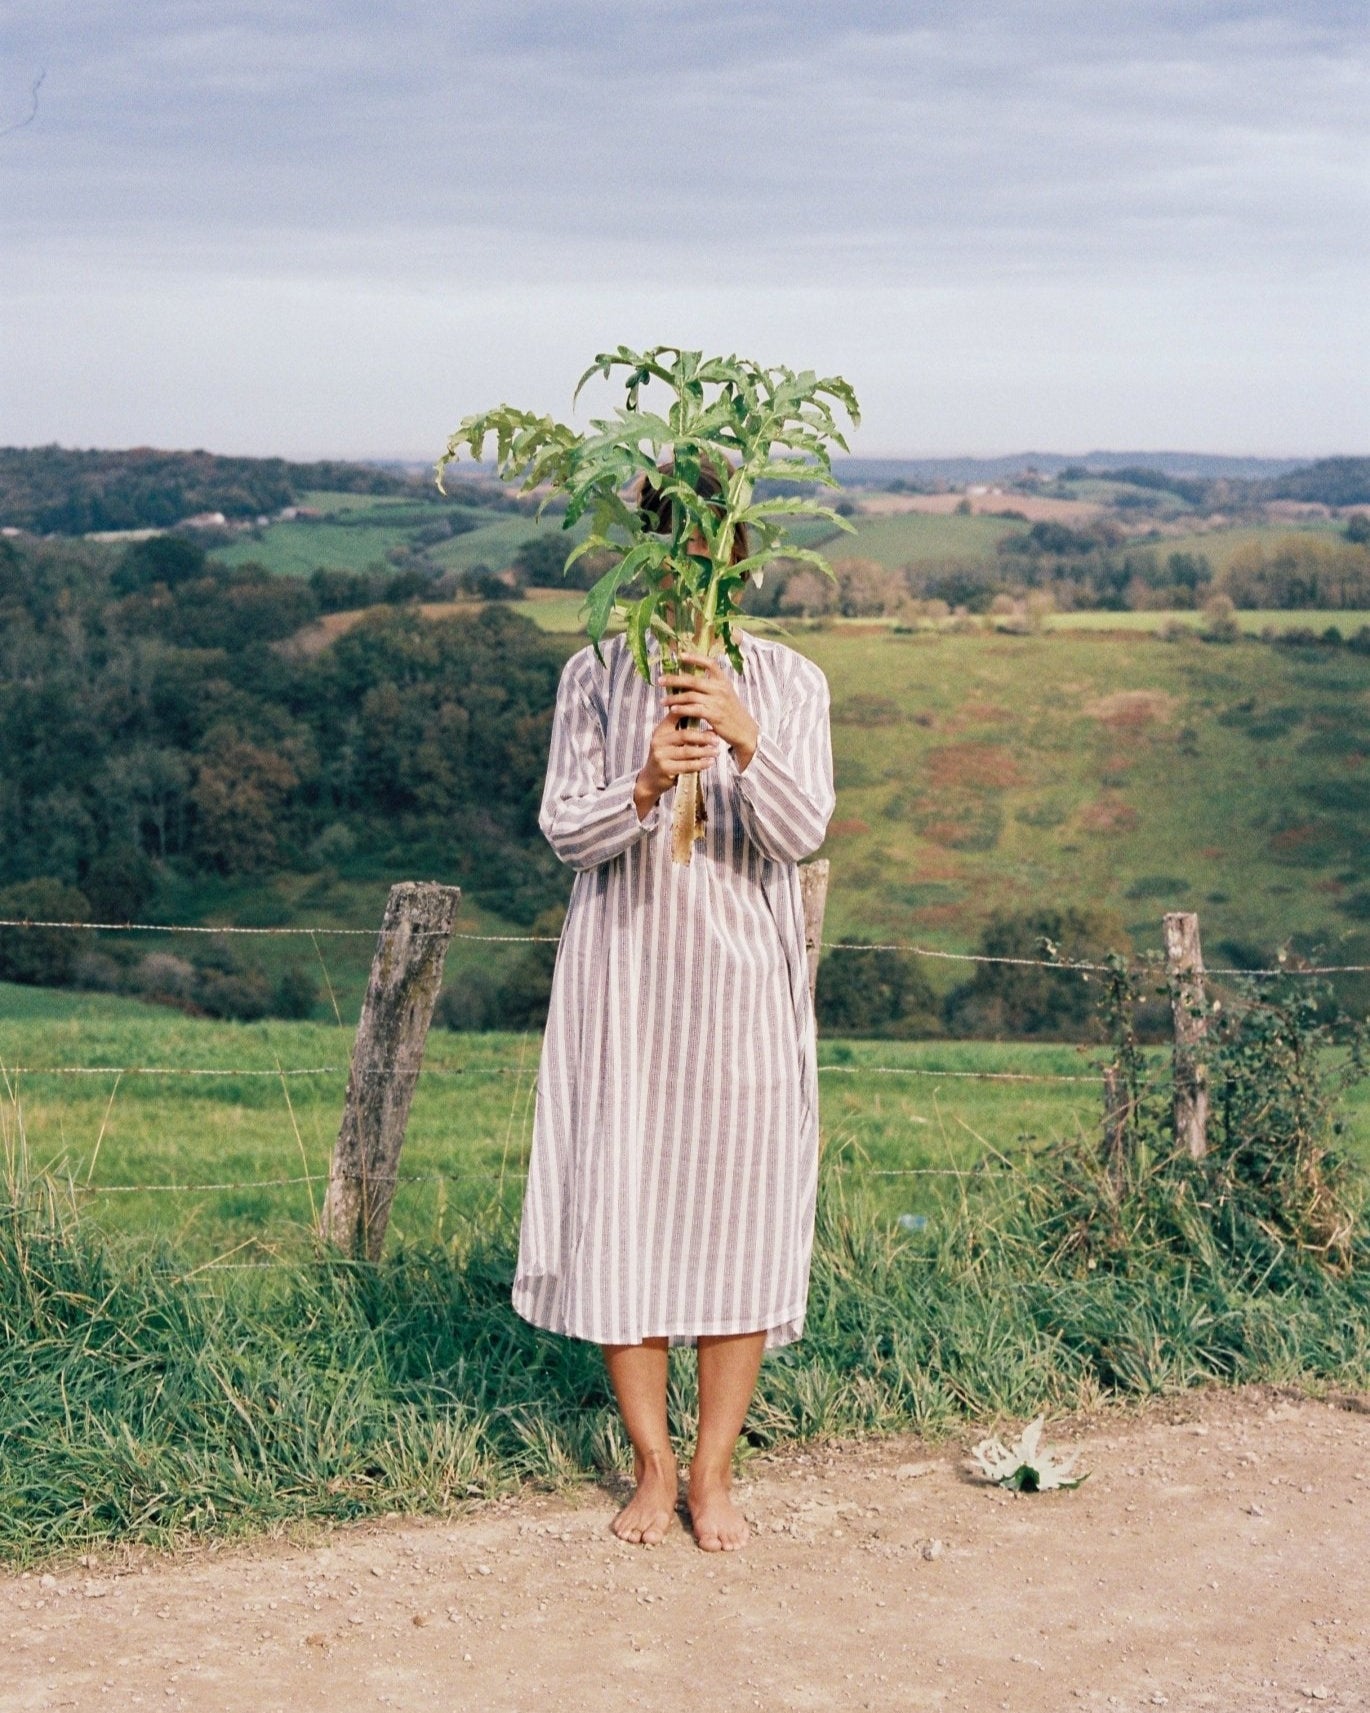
point(673, 750)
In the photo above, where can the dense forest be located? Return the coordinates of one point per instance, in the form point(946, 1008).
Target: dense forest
point(152, 727)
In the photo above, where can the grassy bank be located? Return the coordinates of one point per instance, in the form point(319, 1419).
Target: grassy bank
point(146, 1394)
point(141, 1401)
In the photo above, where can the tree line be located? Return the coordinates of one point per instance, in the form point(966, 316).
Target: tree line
point(1058, 568)
point(58, 490)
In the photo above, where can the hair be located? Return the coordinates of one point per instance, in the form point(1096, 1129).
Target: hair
point(657, 512)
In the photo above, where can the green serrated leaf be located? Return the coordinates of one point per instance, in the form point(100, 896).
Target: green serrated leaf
point(747, 421)
point(639, 625)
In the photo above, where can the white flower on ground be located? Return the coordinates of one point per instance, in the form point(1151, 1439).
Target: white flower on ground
point(1027, 1467)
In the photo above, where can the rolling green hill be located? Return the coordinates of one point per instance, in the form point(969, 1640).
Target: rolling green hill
point(978, 773)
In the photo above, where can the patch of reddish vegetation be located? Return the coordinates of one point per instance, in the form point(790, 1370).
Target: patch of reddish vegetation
point(985, 713)
point(933, 866)
point(1212, 852)
point(1109, 815)
point(847, 829)
point(1125, 710)
point(977, 764)
point(1330, 885)
point(939, 915)
point(1293, 838)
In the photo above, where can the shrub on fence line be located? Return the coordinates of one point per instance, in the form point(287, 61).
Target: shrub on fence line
point(41, 957)
point(870, 991)
point(1032, 999)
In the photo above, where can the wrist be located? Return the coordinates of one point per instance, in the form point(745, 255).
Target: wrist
point(645, 795)
point(744, 747)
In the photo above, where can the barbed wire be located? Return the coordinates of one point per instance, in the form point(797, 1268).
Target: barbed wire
point(502, 1071)
point(187, 928)
point(487, 1175)
point(970, 1076)
point(1065, 965)
point(191, 1189)
point(255, 1071)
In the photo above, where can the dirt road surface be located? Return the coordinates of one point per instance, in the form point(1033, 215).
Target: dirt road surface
point(1218, 1557)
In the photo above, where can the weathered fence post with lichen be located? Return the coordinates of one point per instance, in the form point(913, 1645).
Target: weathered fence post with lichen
point(1189, 1008)
point(813, 891)
point(387, 1055)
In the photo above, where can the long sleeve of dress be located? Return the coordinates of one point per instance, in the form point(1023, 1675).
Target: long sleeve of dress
point(586, 818)
point(785, 794)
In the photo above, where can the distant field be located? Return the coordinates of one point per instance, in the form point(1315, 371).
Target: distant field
point(916, 537)
point(496, 542)
point(1254, 622)
point(296, 549)
point(358, 530)
point(1218, 545)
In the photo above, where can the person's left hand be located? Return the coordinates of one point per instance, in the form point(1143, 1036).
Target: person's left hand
point(708, 695)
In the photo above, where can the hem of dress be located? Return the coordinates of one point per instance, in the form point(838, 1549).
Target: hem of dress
point(787, 1328)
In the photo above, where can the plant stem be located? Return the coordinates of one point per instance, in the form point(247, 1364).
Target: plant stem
point(687, 817)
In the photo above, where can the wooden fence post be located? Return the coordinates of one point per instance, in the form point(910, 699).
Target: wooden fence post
point(1117, 1117)
point(387, 1055)
point(813, 891)
point(1189, 1008)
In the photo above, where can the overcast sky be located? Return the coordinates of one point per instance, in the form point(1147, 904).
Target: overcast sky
point(334, 228)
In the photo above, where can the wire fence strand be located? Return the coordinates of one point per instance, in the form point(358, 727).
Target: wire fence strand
point(275, 1075)
point(1064, 965)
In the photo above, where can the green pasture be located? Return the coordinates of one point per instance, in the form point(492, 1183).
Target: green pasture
point(1158, 502)
point(358, 530)
point(1219, 545)
point(327, 501)
point(913, 538)
point(296, 548)
point(119, 1095)
point(495, 543)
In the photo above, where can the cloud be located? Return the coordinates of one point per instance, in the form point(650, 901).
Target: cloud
point(633, 136)
point(1162, 158)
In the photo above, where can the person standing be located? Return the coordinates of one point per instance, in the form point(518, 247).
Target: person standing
point(671, 1188)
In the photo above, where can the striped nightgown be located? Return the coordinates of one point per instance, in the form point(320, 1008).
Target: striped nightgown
point(675, 1141)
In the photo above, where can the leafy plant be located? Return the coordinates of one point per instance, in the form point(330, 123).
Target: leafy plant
point(676, 497)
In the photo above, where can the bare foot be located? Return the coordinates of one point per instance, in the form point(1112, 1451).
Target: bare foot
point(646, 1517)
point(718, 1524)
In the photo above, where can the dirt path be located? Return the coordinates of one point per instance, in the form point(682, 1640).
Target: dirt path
point(1219, 1557)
